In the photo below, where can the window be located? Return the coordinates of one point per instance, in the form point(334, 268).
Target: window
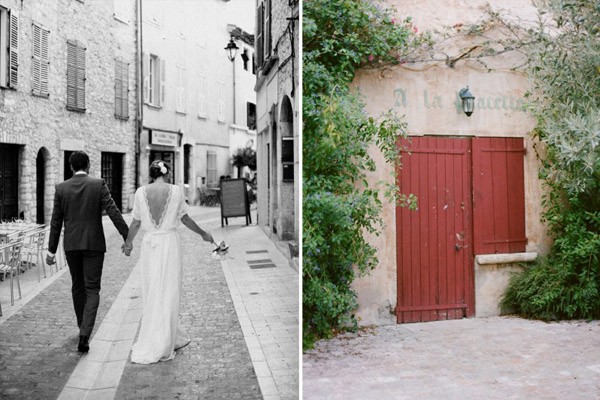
point(211, 169)
point(253, 64)
point(251, 115)
point(267, 29)
point(202, 113)
point(40, 62)
point(75, 76)
point(121, 89)
point(263, 39)
point(9, 43)
point(221, 116)
point(181, 89)
point(154, 80)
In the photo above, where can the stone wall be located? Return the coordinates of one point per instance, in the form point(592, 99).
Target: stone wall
point(44, 122)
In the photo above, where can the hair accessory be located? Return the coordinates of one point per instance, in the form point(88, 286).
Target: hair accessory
point(163, 169)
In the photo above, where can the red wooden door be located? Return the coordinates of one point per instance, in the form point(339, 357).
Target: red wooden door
point(434, 243)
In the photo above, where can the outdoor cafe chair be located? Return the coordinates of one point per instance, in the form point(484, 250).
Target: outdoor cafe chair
point(33, 246)
point(10, 260)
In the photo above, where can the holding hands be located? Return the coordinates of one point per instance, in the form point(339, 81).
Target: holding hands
point(127, 248)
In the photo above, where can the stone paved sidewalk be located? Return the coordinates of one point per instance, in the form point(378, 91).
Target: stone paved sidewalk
point(216, 364)
point(479, 358)
point(38, 343)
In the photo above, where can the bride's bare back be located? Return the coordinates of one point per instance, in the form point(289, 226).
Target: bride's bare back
point(158, 195)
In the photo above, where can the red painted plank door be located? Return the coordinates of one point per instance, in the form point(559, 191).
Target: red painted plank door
point(498, 195)
point(434, 243)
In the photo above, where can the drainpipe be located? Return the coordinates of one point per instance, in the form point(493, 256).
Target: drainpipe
point(139, 95)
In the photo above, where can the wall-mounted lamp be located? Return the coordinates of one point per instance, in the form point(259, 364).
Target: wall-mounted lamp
point(468, 101)
point(231, 49)
point(147, 150)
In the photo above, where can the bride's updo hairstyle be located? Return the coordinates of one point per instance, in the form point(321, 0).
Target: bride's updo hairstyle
point(158, 168)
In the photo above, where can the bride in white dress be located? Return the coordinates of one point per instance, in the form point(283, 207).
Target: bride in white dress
point(158, 209)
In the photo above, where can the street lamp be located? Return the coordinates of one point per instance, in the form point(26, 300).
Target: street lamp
point(467, 100)
point(231, 49)
point(231, 53)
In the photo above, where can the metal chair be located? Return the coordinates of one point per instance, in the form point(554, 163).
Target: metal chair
point(33, 245)
point(10, 260)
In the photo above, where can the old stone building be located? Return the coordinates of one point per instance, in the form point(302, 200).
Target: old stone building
point(67, 82)
point(278, 107)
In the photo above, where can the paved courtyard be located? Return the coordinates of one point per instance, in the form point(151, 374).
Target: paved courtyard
point(479, 358)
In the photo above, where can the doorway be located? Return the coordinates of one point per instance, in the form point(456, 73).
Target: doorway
point(434, 243)
point(9, 181)
point(40, 167)
point(111, 166)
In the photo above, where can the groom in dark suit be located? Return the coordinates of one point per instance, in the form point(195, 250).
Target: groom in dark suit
point(78, 202)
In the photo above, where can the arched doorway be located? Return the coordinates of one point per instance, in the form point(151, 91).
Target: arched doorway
point(40, 166)
point(286, 220)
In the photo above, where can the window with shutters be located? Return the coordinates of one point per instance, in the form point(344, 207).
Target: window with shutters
point(154, 80)
point(221, 115)
point(40, 62)
point(75, 76)
point(121, 89)
point(181, 100)
point(9, 43)
point(251, 115)
point(202, 109)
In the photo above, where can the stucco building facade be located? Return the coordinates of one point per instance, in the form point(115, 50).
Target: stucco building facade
point(195, 100)
point(475, 177)
point(67, 83)
point(278, 109)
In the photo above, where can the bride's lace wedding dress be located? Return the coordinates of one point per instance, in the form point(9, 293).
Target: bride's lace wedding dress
point(159, 208)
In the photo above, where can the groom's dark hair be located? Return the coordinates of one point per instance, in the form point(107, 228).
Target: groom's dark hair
point(79, 160)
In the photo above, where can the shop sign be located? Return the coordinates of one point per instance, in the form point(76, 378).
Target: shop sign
point(165, 138)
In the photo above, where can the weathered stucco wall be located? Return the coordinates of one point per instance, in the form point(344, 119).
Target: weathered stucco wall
point(427, 96)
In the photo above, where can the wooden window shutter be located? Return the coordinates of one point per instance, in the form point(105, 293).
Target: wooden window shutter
point(259, 36)
point(267, 33)
point(118, 89)
point(121, 89)
point(146, 76)
point(162, 73)
point(13, 50)
point(498, 195)
point(75, 76)
point(40, 61)
point(124, 90)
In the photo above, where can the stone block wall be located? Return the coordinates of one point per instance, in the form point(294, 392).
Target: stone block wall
point(44, 122)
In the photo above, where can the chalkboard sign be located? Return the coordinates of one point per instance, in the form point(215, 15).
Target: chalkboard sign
point(234, 200)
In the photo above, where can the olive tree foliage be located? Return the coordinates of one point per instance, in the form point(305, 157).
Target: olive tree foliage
point(339, 204)
point(563, 64)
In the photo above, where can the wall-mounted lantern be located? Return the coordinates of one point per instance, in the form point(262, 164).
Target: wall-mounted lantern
point(467, 100)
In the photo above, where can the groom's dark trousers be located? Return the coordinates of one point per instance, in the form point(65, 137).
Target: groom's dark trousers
point(78, 204)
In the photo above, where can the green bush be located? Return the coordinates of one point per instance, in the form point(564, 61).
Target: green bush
point(564, 68)
point(339, 205)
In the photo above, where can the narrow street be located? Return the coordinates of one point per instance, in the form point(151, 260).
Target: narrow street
point(243, 322)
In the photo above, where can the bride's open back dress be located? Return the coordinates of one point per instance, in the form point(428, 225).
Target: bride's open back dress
point(159, 208)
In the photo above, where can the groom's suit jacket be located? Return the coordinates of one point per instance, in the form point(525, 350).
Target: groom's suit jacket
point(78, 203)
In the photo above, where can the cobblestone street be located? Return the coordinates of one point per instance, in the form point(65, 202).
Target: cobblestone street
point(470, 359)
point(225, 360)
